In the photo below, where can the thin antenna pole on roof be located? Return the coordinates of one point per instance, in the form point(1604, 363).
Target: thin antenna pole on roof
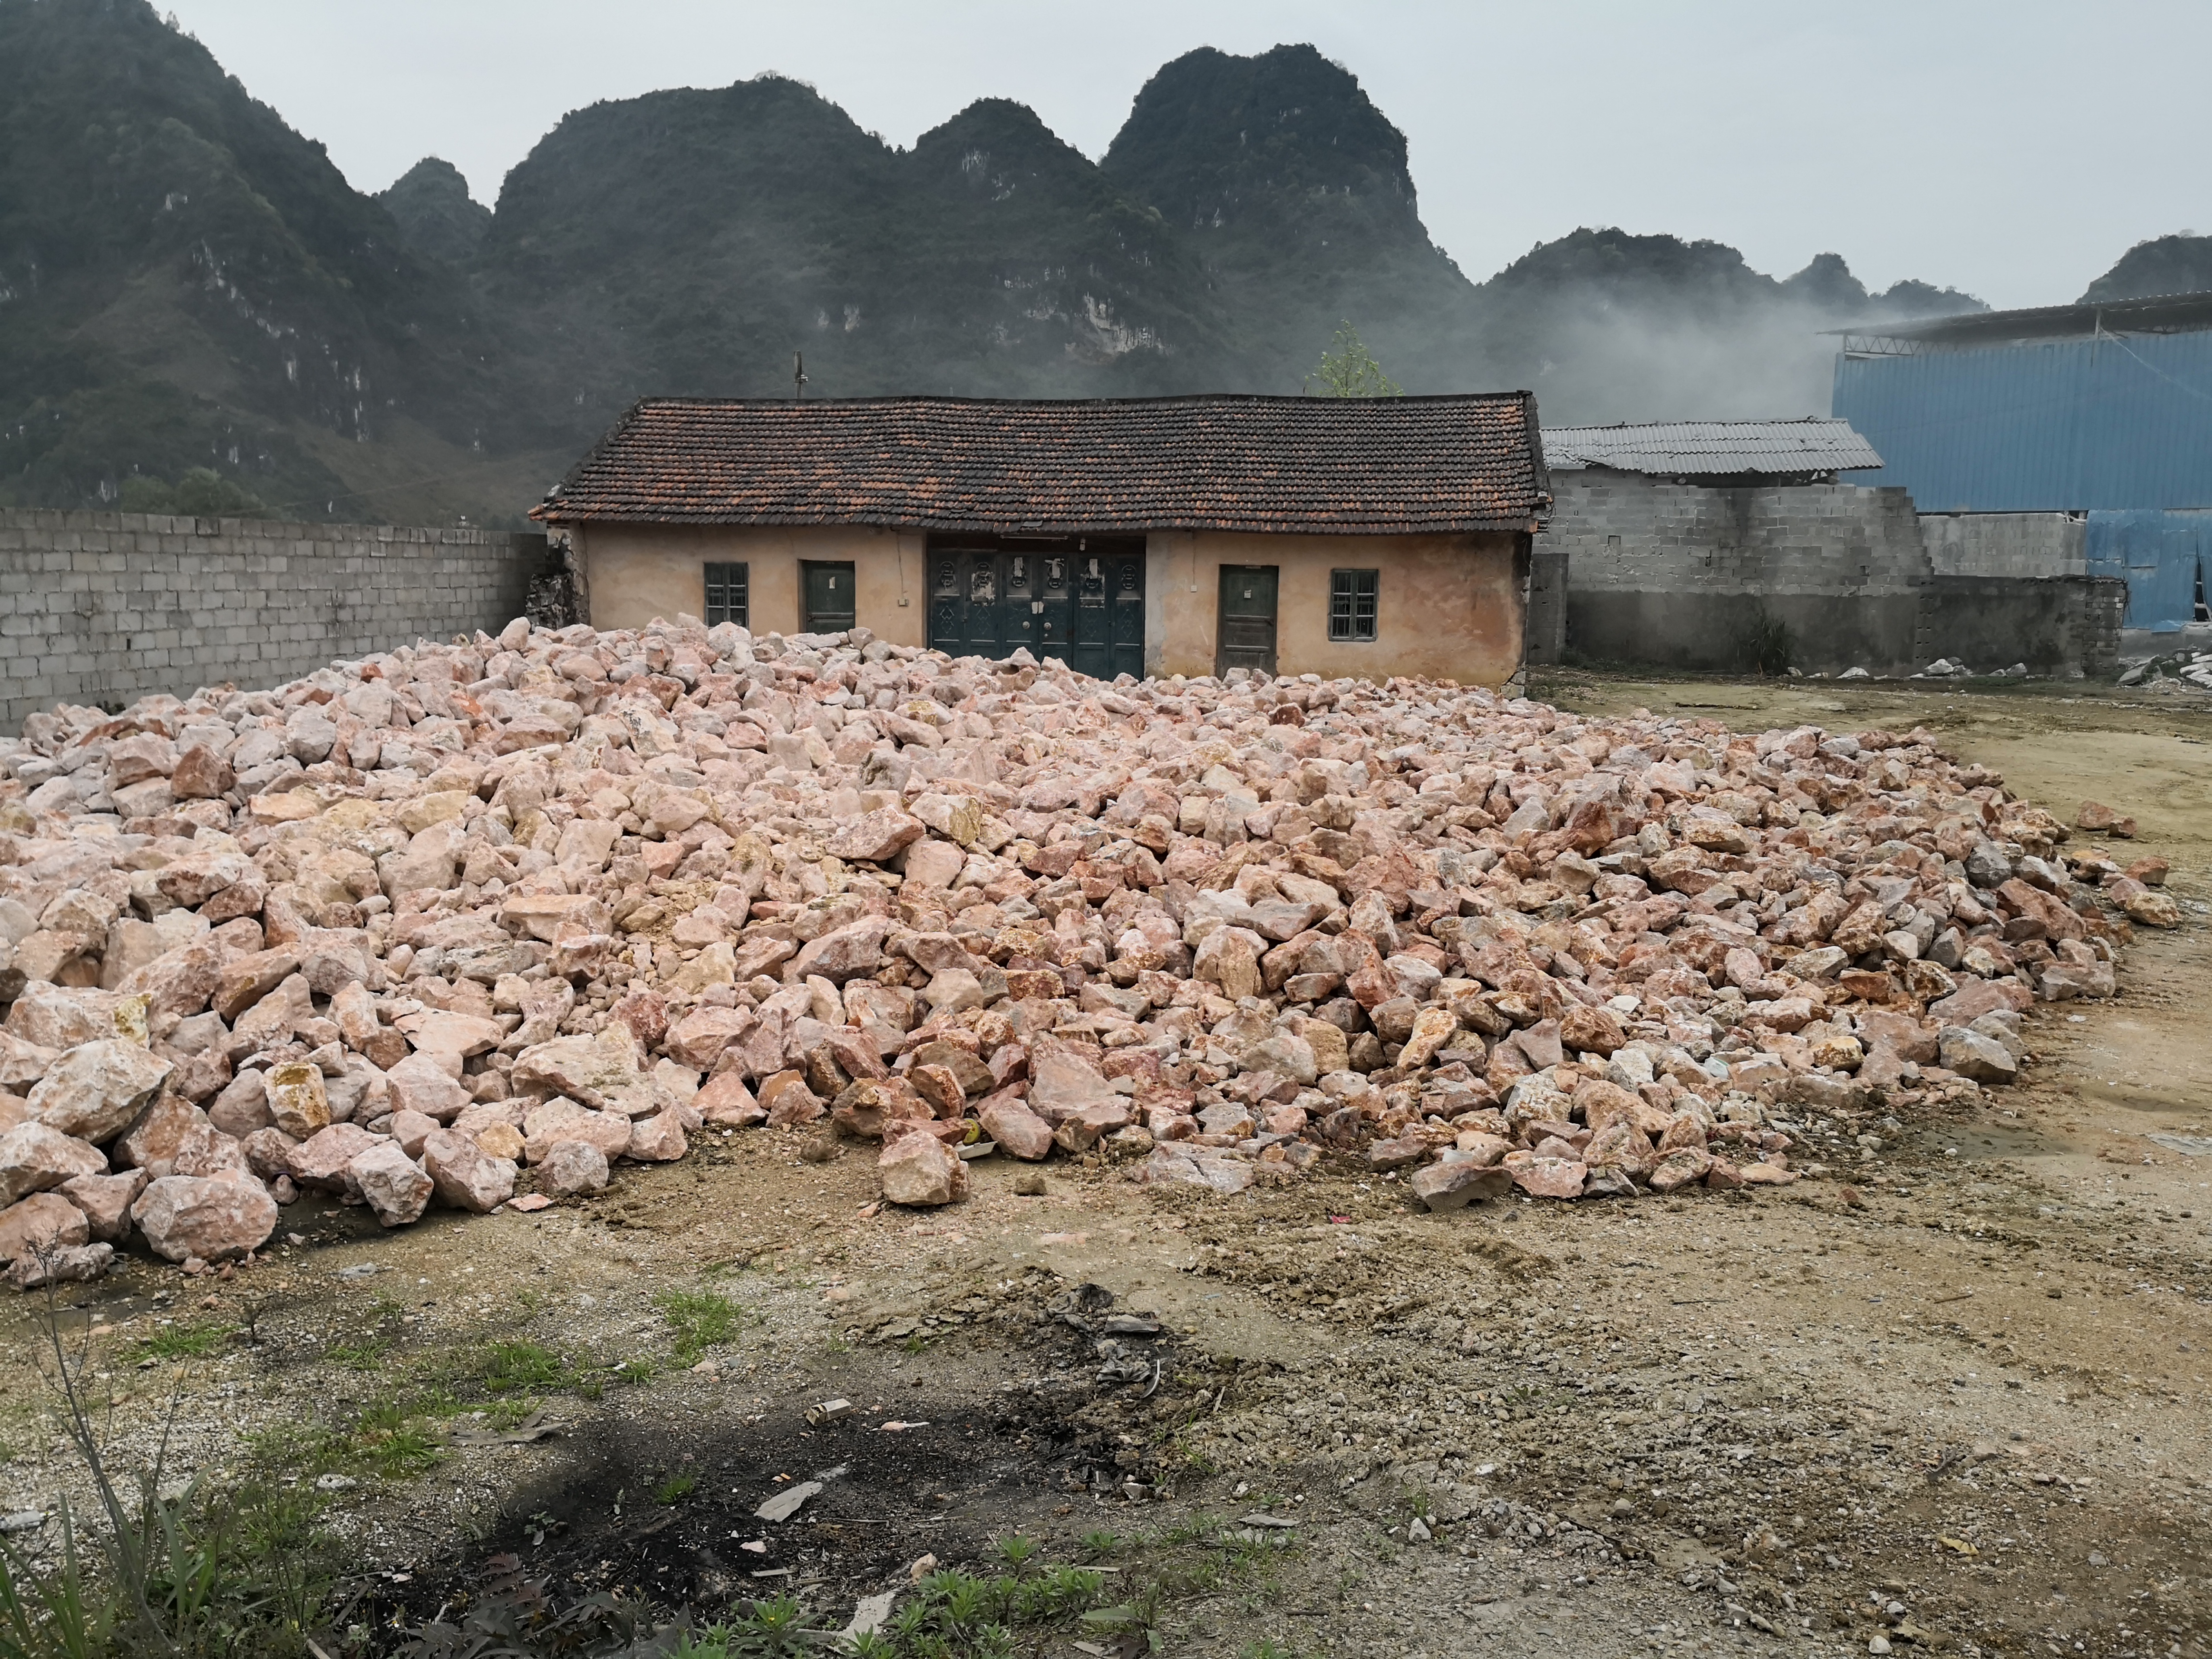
point(797, 374)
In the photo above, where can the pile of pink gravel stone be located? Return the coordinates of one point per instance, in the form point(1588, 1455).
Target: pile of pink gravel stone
point(469, 924)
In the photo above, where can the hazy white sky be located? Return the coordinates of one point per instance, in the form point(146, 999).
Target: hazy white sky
point(2014, 149)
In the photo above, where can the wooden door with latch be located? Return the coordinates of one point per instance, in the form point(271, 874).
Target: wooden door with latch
point(1245, 623)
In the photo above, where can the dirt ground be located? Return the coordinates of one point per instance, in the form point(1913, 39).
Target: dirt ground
point(1950, 1395)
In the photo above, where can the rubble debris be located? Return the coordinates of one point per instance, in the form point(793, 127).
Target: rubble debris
point(469, 924)
point(2168, 672)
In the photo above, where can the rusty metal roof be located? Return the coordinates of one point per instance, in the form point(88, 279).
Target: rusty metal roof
point(1309, 465)
point(1678, 449)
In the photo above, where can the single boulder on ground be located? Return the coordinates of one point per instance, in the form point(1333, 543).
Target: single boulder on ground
point(394, 1184)
point(191, 1217)
point(573, 1169)
point(462, 1174)
point(921, 1170)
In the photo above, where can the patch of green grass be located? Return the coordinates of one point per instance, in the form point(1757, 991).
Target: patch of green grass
point(387, 1440)
point(675, 1489)
point(361, 1356)
point(194, 1340)
point(1100, 1546)
point(699, 1320)
point(519, 1367)
point(511, 1412)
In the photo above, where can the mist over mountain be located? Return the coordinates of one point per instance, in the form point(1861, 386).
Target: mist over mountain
point(187, 285)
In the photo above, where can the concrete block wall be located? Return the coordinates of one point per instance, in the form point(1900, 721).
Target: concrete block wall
point(2030, 544)
point(106, 607)
point(2068, 626)
point(1686, 575)
point(1624, 531)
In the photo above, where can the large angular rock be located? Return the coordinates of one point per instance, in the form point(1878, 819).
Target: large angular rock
point(185, 1217)
point(876, 837)
point(574, 1169)
point(297, 1103)
point(1061, 1085)
point(394, 1185)
point(420, 1084)
point(35, 1158)
point(42, 1223)
point(105, 1200)
point(558, 1120)
point(23, 1064)
point(244, 980)
point(201, 775)
point(1455, 1183)
point(922, 1171)
point(1971, 1054)
point(598, 1071)
point(658, 1138)
point(698, 1039)
point(463, 1176)
point(1179, 1163)
point(321, 1161)
point(1019, 1132)
point(64, 1264)
point(242, 1106)
point(844, 953)
point(95, 1090)
point(724, 1102)
point(150, 1143)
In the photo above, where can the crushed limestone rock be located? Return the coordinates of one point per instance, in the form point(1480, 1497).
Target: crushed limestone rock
point(467, 923)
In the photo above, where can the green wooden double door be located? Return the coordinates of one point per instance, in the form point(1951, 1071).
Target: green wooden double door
point(1080, 598)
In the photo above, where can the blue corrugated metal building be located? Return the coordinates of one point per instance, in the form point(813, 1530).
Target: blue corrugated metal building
point(2102, 409)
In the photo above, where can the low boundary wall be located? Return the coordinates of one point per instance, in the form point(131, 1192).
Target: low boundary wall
point(106, 607)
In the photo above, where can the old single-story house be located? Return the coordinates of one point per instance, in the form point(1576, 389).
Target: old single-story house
point(1139, 536)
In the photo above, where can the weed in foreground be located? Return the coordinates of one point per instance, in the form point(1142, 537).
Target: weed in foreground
point(517, 1367)
point(188, 1342)
point(700, 1320)
point(206, 1574)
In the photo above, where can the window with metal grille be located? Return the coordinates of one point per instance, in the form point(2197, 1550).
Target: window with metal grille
point(1351, 604)
point(729, 596)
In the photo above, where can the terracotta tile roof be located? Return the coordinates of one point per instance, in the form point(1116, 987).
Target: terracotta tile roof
point(1317, 466)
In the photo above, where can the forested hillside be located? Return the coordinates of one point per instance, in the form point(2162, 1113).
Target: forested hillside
point(199, 312)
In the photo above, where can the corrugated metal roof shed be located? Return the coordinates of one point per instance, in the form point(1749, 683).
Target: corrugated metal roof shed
point(1681, 449)
point(2163, 313)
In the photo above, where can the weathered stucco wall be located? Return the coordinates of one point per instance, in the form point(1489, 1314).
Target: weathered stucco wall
point(1445, 606)
point(1449, 606)
point(638, 572)
point(2035, 545)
